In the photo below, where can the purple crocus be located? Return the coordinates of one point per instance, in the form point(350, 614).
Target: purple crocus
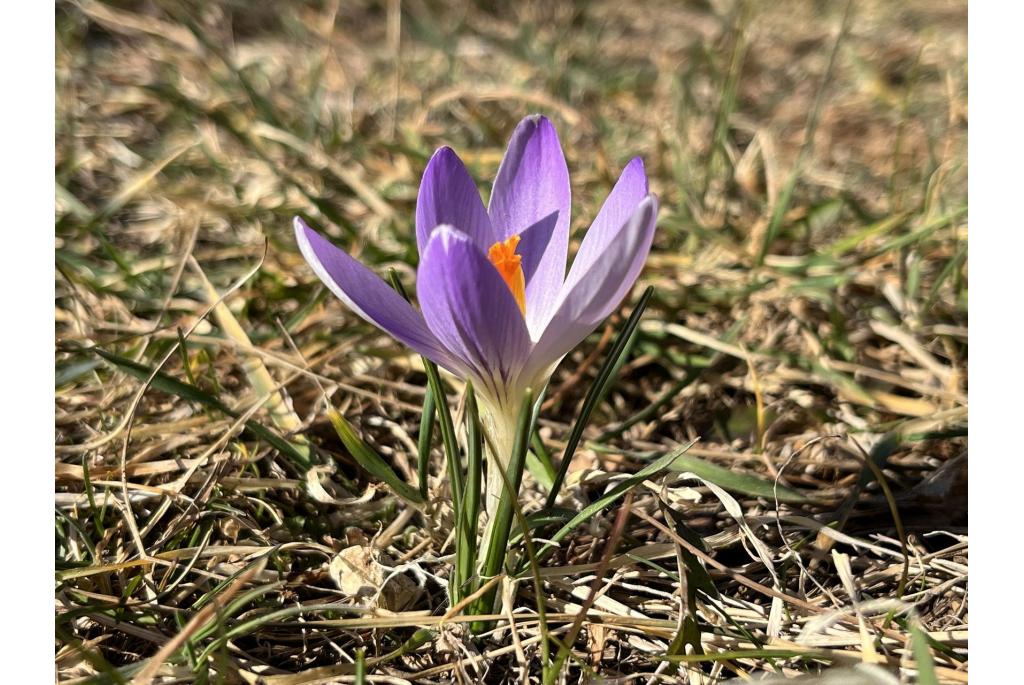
point(497, 306)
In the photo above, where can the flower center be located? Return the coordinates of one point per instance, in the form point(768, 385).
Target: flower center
point(504, 258)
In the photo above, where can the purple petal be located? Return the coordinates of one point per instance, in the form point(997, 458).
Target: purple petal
point(596, 285)
point(370, 297)
point(448, 195)
point(618, 207)
point(531, 194)
point(471, 310)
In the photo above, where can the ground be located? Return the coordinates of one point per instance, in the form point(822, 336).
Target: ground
point(808, 327)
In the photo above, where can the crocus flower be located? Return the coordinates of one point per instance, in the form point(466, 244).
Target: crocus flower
point(496, 305)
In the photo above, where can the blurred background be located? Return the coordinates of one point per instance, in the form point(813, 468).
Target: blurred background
point(810, 264)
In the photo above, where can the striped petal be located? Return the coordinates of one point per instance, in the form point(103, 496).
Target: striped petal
point(449, 196)
point(596, 285)
point(471, 310)
point(369, 296)
point(531, 196)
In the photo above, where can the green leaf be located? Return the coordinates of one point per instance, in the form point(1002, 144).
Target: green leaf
point(922, 655)
point(697, 577)
point(732, 481)
point(612, 495)
point(369, 460)
point(468, 518)
point(172, 386)
point(444, 414)
point(69, 372)
point(165, 383)
point(542, 518)
point(610, 367)
point(538, 463)
point(423, 442)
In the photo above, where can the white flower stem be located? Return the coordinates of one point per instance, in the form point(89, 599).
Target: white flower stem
point(499, 424)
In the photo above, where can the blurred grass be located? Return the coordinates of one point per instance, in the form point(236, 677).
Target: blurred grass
point(811, 285)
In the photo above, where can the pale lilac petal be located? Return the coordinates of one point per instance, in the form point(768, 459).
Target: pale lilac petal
point(595, 286)
point(531, 188)
point(532, 248)
point(470, 309)
point(618, 207)
point(448, 195)
point(370, 297)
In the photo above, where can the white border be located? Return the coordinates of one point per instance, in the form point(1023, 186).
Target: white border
point(27, 55)
point(996, 261)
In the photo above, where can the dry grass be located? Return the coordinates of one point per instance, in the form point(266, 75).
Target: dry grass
point(812, 334)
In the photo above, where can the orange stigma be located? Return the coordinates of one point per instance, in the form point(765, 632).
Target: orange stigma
point(504, 258)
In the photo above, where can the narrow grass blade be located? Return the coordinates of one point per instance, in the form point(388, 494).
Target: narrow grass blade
point(169, 648)
point(423, 442)
point(165, 383)
point(732, 481)
point(444, 414)
point(782, 203)
point(97, 514)
point(652, 409)
point(161, 381)
point(697, 577)
point(186, 364)
point(451, 445)
point(745, 654)
point(74, 370)
point(360, 676)
point(922, 655)
point(466, 535)
point(595, 394)
point(688, 634)
point(612, 495)
point(538, 463)
point(370, 461)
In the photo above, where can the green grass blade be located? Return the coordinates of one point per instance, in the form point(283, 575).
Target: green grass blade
point(612, 495)
point(786, 196)
point(596, 393)
point(370, 461)
point(360, 676)
point(74, 370)
point(732, 481)
point(165, 383)
point(173, 386)
point(451, 445)
point(538, 462)
point(423, 442)
point(926, 674)
point(444, 414)
point(466, 540)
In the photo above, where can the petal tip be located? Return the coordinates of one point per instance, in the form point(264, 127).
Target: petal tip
point(636, 167)
point(444, 154)
point(304, 235)
point(532, 123)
